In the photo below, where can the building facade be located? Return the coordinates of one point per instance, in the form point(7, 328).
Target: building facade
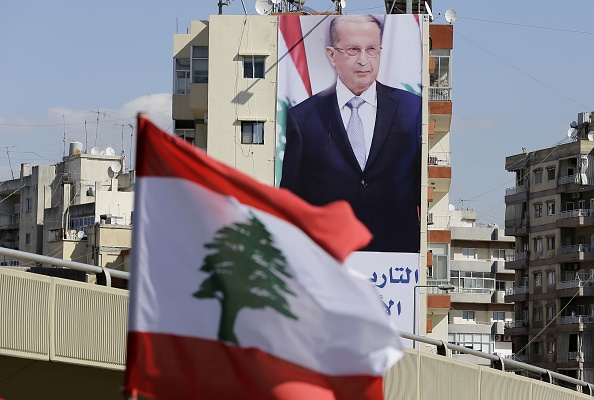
point(549, 211)
point(79, 210)
point(479, 312)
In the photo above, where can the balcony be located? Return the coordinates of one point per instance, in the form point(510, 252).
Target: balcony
point(440, 171)
point(516, 227)
point(567, 180)
point(577, 323)
point(515, 328)
point(573, 253)
point(575, 218)
point(515, 194)
point(517, 260)
point(440, 158)
point(10, 221)
point(517, 293)
point(584, 283)
point(440, 94)
point(439, 222)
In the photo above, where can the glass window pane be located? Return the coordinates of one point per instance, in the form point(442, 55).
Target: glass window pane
point(200, 71)
point(182, 64)
point(199, 51)
point(259, 133)
point(259, 67)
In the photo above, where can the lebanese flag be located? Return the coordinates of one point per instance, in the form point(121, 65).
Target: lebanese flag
point(238, 289)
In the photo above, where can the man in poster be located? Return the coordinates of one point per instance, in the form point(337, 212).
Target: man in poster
point(359, 141)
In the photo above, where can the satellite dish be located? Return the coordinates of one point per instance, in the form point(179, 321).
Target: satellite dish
point(110, 151)
point(80, 234)
point(96, 151)
point(115, 167)
point(342, 4)
point(276, 1)
point(591, 136)
point(573, 124)
point(429, 11)
point(451, 15)
point(571, 133)
point(264, 7)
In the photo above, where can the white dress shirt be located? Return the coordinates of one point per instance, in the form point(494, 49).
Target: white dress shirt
point(367, 110)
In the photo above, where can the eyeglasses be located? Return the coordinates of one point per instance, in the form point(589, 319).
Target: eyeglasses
point(371, 51)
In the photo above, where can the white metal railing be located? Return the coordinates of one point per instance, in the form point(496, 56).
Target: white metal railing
point(516, 290)
point(576, 319)
point(575, 213)
point(564, 180)
point(440, 93)
point(573, 284)
point(440, 222)
point(514, 190)
point(519, 323)
point(440, 158)
point(576, 248)
point(516, 256)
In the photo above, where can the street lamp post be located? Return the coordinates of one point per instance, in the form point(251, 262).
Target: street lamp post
point(445, 287)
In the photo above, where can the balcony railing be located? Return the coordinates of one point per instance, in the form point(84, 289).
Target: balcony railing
point(440, 222)
point(577, 319)
point(575, 213)
point(574, 284)
point(564, 180)
point(516, 256)
point(514, 190)
point(516, 290)
point(440, 158)
point(576, 248)
point(440, 93)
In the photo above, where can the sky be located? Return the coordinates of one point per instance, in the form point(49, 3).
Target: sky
point(80, 71)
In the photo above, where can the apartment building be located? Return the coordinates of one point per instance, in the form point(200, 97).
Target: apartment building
point(549, 211)
point(479, 312)
point(79, 209)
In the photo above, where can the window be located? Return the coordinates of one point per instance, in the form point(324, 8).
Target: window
point(581, 204)
point(538, 176)
point(199, 64)
point(476, 341)
point(182, 75)
point(27, 238)
point(538, 245)
point(438, 76)
point(440, 267)
point(469, 253)
point(569, 206)
point(468, 315)
point(551, 346)
point(550, 312)
point(29, 204)
point(537, 314)
point(253, 67)
point(500, 285)
point(538, 210)
point(551, 174)
point(550, 242)
point(538, 279)
point(473, 282)
point(550, 278)
point(252, 132)
point(551, 208)
point(498, 315)
point(499, 254)
point(537, 347)
point(185, 129)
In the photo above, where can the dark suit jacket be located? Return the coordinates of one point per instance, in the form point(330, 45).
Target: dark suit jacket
point(320, 166)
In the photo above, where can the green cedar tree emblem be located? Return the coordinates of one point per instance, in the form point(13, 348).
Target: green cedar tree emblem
point(245, 269)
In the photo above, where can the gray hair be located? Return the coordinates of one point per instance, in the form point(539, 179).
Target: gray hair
point(351, 18)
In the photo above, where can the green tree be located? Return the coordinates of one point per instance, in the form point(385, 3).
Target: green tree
point(245, 270)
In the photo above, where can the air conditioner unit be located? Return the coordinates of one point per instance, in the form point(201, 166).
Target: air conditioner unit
point(498, 338)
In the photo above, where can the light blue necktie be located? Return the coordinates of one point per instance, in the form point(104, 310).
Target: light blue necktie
point(355, 130)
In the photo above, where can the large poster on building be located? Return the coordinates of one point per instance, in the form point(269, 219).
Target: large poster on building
point(349, 128)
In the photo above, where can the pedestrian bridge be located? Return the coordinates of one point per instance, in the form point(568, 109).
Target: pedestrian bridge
point(61, 339)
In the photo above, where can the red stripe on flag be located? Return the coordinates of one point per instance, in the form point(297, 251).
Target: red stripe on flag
point(174, 367)
point(333, 227)
point(290, 27)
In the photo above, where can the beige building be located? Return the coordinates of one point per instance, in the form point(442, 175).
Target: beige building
point(549, 212)
point(78, 210)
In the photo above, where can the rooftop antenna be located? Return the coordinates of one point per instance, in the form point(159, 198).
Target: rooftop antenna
point(131, 144)
point(9, 163)
point(86, 138)
point(64, 137)
point(98, 112)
